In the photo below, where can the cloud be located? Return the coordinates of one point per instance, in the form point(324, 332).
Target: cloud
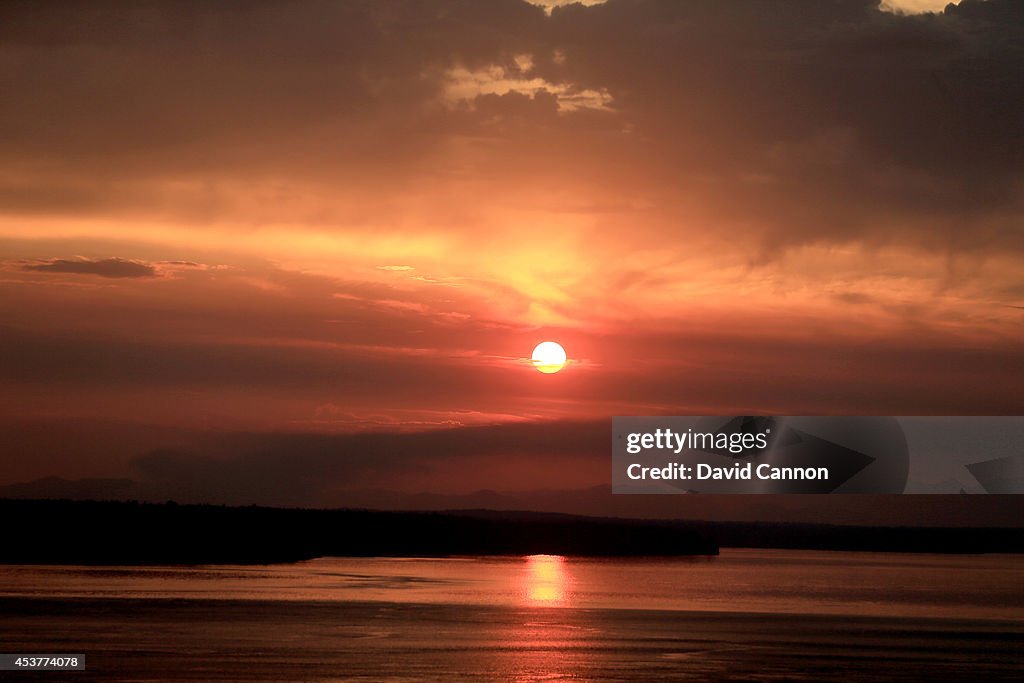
point(111, 267)
point(493, 84)
point(550, 5)
point(775, 124)
point(714, 143)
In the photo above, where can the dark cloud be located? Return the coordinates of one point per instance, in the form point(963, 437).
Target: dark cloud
point(111, 267)
point(819, 120)
point(826, 119)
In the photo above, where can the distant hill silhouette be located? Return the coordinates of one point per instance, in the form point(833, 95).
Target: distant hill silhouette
point(598, 501)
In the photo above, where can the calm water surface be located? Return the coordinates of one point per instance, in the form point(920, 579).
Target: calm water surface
point(748, 614)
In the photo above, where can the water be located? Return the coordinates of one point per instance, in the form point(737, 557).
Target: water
point(748, 614)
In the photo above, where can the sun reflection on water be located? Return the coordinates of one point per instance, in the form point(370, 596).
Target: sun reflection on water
point(546, 581)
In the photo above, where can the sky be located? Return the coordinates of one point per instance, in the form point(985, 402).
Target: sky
point(301, 233)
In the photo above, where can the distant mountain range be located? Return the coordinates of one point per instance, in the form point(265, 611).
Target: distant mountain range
point(880, 510)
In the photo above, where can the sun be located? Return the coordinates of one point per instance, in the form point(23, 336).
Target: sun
point(549, 357)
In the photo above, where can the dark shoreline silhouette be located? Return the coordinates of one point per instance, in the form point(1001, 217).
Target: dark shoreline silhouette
point(66, 532)
point(72, 532)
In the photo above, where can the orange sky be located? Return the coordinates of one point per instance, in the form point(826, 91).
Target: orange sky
point(363, 216)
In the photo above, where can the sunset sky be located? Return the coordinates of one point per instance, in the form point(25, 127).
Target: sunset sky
point(252, 236)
